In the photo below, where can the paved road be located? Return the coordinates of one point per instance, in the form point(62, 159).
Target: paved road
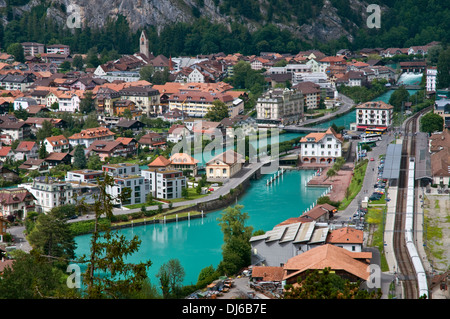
point(347, 104)
point(370, 177)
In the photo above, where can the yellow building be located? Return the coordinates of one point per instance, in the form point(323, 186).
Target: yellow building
point(224, 165)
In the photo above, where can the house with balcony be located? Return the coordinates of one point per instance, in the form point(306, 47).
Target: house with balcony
point(322, 148)
point(138, 185)
point(16, 202)
point(88, 136)
point(50, 193)
point(57, 144)
point(374, 115)
point(165, 183)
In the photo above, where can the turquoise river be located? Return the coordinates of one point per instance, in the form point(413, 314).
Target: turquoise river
point(197, 243)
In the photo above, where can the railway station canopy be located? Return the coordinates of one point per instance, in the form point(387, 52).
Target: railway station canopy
point(392, 162)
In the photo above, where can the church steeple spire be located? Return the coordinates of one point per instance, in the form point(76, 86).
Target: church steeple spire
point(143, 44)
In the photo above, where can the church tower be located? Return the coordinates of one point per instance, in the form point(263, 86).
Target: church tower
point(143, 45)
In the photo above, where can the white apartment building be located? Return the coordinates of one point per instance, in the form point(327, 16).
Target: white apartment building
point(50, 193)
point(121, 169)
point(58, 49)
point(165, 183)
point(321, 147)
point(431, 79)
point(280, 106)
point(374, 115)
point(84, 176)
point(138, 185)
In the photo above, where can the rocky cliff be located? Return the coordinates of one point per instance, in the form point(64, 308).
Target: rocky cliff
point(328, 20)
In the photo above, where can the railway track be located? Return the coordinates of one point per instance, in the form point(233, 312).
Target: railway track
point(406, 269)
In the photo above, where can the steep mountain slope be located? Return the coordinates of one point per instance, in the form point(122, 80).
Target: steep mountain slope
point(322, 20)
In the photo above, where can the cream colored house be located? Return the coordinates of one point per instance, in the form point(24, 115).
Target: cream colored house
point(224, 166)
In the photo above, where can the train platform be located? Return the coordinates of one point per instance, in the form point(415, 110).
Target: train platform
point(389, 251)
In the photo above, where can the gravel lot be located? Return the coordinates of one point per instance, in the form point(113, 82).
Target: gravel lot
point(437, 212)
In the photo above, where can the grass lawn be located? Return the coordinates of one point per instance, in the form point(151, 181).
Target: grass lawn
point(356, 183)
point(375, 219)
point(192, 194)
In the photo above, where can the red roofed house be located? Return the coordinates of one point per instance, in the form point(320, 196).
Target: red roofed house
point(6, 153)
point(16, 202)
point(321, 147)
point(177, 132)
point(153, 140)
point(348, 265)
point(107, 149)
point(159, 162)
point(26, 150)
point(57, 144)
point(183, 162)
point(56, 158)
point(267, 273)
point(88, 136)
point(347, 237)
point(130, 145)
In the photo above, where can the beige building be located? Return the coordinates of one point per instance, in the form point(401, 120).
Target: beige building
point(374, 115)
point(224, 166)
point(280, 106)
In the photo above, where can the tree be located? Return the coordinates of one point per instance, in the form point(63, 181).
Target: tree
point(33, 277)
point(65, 66)
point(78, 62)
point(443, 70)
point(431, 122)
point(52, 236)
point(42, 151)
point(79, 157)
point(16, 49)
point(217, 112)
point(236, 250)
point(398, 97)
point(45, 131)
point(327, 285)
point(171, 275)
point(94, 162)
point(331, 172)
point(87, 104)
point(107, 274)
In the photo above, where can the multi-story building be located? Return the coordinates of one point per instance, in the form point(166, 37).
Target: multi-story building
point(57, 144)
point(431, 79)
point(321, 147)
point(374, 115)
point(88, 136)
point(58, 49)
point(121, 169)
point(197, 103)
point(139, 188)
point(165, 183)
point(146, 98)
point(84, 176)
point(280, 106)
point(311, 94)
point(16, 81)
point(32, 48)
point(16, 202)
point(50, 193)
point(442, 108)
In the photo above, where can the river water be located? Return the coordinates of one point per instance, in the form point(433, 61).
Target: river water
point(197, 243)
